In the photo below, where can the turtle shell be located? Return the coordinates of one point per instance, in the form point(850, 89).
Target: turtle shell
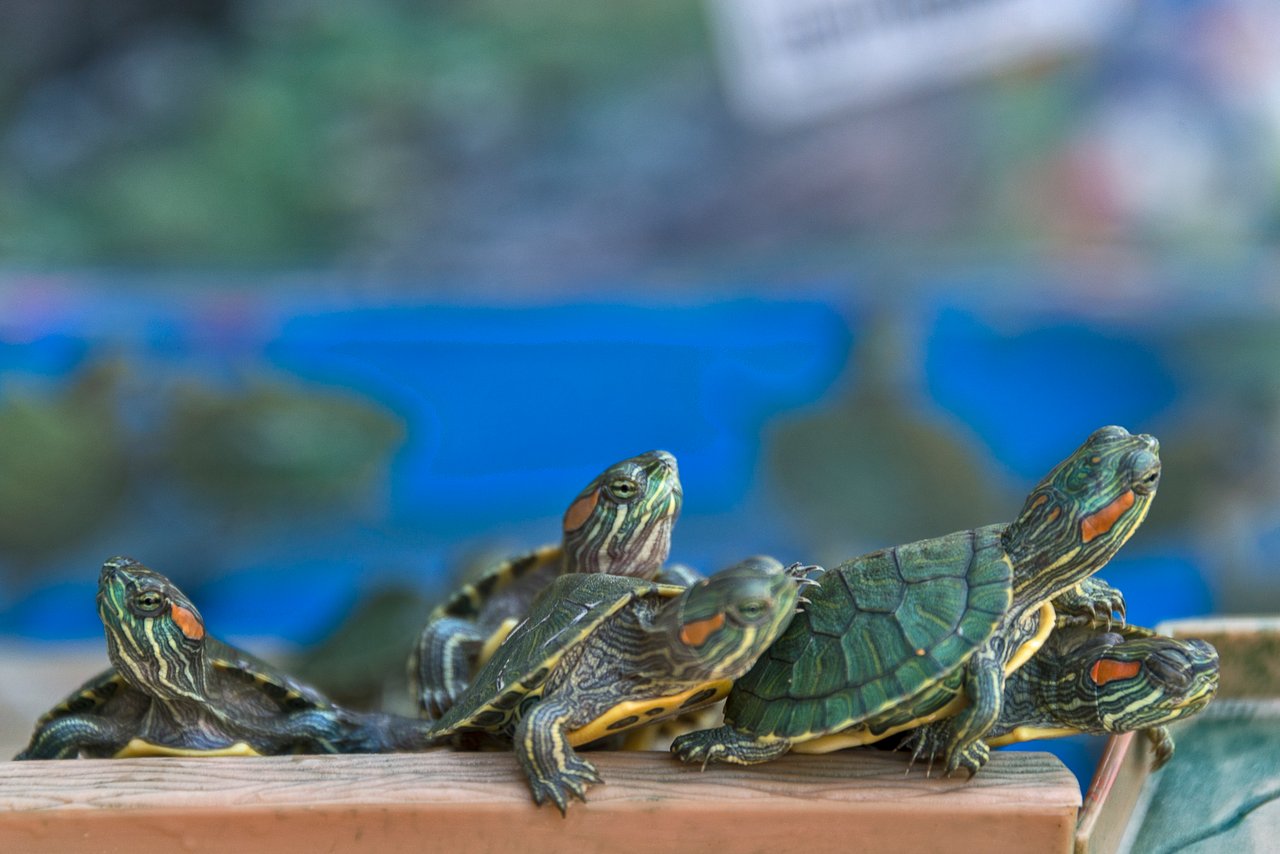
point(568, 611)
point(881, 631)
point(94, 695)
point(251, 686)
point(469, 600)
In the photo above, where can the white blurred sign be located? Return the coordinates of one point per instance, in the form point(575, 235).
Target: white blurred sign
point(790, 60)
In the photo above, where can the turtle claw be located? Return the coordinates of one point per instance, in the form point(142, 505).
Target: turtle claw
point(798, 572)
point(1095, 601)
point(969, 758)
point(570, 781)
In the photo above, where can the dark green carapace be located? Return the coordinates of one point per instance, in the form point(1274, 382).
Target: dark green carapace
point(929, 630)
point(601, 654)
point(173, 690)
point(619, 524)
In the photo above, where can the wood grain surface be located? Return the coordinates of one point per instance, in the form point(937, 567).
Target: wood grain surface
point(446, 801)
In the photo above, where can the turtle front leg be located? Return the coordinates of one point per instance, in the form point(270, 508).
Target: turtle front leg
point(552, 767)
point(445, 651)
point(1161, 743)
point(984, 687)
point(726, 744)
point(67, 737)
point(1093, 599)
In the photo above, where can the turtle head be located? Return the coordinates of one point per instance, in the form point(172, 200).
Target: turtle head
point(719, 626)
point(1138, 683)
point(621, 523)
point(1083, 511)
point(155, 636)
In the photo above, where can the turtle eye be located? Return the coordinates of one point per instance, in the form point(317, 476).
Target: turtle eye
point(752, 610)
point(148, 602)
point(623, 488)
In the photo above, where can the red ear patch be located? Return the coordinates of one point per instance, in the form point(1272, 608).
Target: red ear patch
point(1096, 524)
point(187, 621)
point(1105, 670)
point(580, 510)
point(697, 632)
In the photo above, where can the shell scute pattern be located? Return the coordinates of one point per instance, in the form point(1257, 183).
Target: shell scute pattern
point(581, 602)
point(263, 679)
point(928, 560)
point(469, 599)
point(879, 586)
point(854, 656)
point(91, 695)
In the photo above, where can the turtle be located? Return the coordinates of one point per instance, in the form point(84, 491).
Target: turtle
point(601, 654)
point(1092, 680)
point(927, 630)
point(174, 690)
point(619, 524)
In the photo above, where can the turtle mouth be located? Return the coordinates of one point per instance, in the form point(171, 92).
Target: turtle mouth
point(1146, 472)
point(665, 459)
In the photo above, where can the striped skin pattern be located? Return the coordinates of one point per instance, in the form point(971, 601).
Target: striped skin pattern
point(930, 629)
point(600, 654)
point(1089, 680)
point(619, 524)
point(174, 690)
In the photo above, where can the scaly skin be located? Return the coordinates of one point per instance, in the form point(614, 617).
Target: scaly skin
point(649, 654)
point(174, 690)
point(942, 618)
point(1087, 680)
point(619, 524)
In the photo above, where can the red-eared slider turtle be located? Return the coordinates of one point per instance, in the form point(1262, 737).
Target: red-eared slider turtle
point(892, 638)
point(1086, 680)
point(173, 690)
point(619, 525)
point(600, 654)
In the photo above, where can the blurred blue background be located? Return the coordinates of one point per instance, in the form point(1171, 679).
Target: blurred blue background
point(313, 306)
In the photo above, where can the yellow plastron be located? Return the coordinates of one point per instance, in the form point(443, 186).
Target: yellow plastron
point(633, 713)
point(139, 748)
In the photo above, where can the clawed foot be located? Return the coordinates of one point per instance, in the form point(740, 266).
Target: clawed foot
point(971, 758)
point(926, 743)
point(799, 572)
point(696, 747)
point(570, 780)
point(1095, 600)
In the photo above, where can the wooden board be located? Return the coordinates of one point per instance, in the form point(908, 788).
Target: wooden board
point(462, 802)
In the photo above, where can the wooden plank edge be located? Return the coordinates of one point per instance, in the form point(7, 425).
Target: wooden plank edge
point(477, 802)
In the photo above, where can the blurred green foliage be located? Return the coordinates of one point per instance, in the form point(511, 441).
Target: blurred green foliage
point(65, 465)
point(278, 446)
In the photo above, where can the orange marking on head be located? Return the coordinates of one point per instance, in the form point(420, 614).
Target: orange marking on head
point(1054, 514)
point(187, 621)
point(697, 632)
point(580, 510)
point(1105, 670)
point(1039, 502)
point(1097, 524)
